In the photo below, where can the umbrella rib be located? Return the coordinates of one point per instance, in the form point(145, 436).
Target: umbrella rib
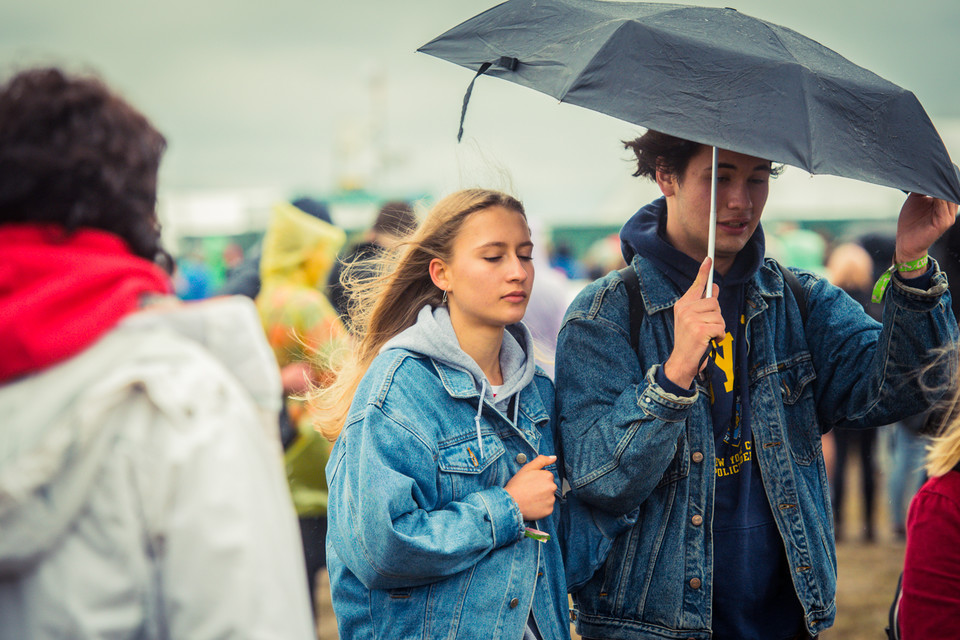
point(806, 98)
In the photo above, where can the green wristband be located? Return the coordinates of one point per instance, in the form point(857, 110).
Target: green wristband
point(884, 281)
point(914, 265)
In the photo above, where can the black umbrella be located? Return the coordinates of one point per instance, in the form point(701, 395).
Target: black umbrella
point(714, 76)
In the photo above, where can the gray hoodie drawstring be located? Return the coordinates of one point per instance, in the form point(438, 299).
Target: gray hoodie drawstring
point(476, 419)
point(483, 392)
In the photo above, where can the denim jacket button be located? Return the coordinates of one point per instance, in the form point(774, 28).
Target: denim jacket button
point(697, 456)
point(514, 603)
point(695, 583)
point(697, 520)
point(521, 458)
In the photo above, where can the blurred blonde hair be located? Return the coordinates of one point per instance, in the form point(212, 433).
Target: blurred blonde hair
point(388, 302)
point(943, 453)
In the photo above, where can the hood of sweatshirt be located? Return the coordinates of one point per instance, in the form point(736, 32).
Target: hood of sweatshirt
point(644, 234)
point(432, 335)
point(60, 292)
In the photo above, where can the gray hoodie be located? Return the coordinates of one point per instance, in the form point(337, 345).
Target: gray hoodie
point(432, 335)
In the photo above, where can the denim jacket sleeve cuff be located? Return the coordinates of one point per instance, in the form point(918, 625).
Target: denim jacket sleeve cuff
point(921, 282)
point(658, 402)
point(505, 518)
point(669, 386)
point(912, 298)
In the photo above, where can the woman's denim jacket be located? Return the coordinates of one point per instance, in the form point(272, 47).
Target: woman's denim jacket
point(629, 443)
point(424, 542)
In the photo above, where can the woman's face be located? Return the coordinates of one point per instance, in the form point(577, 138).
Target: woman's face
point(490, 273)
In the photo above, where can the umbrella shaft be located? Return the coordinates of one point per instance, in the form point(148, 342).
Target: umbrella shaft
point(712, 235)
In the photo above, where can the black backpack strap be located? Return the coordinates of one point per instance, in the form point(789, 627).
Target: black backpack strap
point(630, 280)
point(893, 618)
point(632, 283)
point(793, 282)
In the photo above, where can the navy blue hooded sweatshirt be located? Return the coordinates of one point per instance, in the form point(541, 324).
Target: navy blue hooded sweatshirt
point(753, 594)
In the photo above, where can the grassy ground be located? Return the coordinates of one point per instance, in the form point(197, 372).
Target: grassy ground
point(866, 580)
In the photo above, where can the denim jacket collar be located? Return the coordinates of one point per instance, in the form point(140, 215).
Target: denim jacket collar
point(659, 293)
point(460, 384)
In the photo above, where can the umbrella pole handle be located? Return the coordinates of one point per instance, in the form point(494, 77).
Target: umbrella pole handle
point(712, 235)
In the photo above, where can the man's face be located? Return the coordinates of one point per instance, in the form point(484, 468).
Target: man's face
point(743, 183)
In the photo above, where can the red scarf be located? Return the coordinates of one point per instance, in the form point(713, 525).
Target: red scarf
point(59, 293)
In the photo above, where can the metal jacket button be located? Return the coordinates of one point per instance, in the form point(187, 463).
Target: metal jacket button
point(697, 456)
point(695, 583)
point(514, 603)
point(521, 458)
point(697, 520)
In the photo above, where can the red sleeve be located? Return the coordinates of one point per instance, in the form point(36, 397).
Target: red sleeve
point(930, 606)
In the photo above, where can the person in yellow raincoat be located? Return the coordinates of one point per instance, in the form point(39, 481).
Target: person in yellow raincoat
point(307, 336)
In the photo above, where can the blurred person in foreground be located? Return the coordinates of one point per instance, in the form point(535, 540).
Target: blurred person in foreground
point(395, 221)
point(141, 493)
point(307, 337)
point(929, 606)
point(709, 418)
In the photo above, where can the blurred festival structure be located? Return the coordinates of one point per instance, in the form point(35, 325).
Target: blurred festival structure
point(207, 222)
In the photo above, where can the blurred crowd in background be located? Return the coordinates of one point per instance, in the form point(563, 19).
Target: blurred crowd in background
point(889, 461)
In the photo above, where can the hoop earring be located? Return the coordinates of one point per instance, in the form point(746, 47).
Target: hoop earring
point(443, 301)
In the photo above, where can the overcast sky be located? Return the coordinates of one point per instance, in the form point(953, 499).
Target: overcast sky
point(301, 95)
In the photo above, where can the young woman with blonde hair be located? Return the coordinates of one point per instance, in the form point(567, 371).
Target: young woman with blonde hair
point(445, 514)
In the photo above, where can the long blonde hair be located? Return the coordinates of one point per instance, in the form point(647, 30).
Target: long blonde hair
point(387, 303)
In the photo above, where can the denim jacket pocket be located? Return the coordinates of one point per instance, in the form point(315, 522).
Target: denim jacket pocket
point(463, 470)
point(802, 428)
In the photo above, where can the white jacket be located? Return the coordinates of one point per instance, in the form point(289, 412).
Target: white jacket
point(141, 487)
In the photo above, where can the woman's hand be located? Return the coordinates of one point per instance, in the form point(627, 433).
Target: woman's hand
point(533, 488)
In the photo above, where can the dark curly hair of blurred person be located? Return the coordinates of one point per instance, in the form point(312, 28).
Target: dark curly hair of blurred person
point(74, 154)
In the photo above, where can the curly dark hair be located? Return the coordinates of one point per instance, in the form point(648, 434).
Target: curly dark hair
point(74, 154)
point(656, 150)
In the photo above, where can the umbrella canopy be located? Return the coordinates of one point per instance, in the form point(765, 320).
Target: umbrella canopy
point(714, 76)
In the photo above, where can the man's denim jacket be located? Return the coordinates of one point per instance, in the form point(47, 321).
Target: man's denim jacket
point(629, 443)
point(424, 542)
